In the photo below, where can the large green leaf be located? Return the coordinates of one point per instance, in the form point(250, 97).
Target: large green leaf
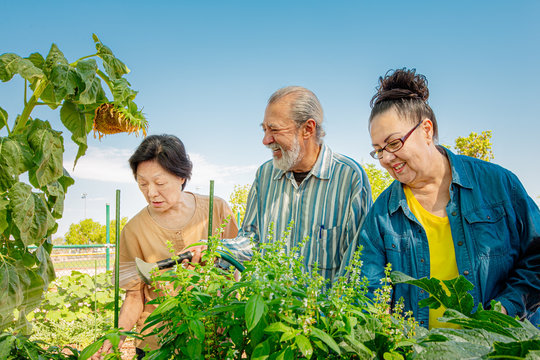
point(92, 84)
point(37, 59)
point(304, 345)
point(113, 66)
point(261, 351)
point(197, 327)
point(54, 57)
point(15, 157)
point(55, 200)
point(121, 91)
point(48, 149)
point(30, 214)
point(91, 349)
point(46, 268)
point(78, 124)
point(4, 203)
point(12, 288)
point(459, 298)
point(255, 309)
point(3, 118)
point(327, 339)
point(65, 80)
point(11, 64)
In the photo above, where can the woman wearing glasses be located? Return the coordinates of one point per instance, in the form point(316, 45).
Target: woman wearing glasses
point(446, 215)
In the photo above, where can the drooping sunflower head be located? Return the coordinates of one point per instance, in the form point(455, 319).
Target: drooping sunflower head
point(112, 119)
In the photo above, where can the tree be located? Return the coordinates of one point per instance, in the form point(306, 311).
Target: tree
point(238, 200)
point(475, 145)
point(88, 231)
point(378, 179)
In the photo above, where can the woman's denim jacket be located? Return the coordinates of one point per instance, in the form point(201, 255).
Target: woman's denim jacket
point(495, 229)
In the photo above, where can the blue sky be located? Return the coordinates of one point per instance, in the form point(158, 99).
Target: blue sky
point(204, 71)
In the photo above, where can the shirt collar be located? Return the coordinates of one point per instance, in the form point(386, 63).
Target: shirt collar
point(459, 177)
point(321, 168)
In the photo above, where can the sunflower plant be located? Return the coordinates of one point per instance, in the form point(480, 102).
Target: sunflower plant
point(33, 182)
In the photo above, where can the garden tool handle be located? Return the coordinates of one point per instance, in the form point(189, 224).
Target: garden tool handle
point(168, 263)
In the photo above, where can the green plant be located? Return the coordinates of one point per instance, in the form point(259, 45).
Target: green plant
point(34, 150)
point(484, 333)
point(277, 310)
point(76, 308)
point(19, 347)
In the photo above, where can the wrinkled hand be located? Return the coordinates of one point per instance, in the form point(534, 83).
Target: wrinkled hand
point(197, 254)
point(104, 350)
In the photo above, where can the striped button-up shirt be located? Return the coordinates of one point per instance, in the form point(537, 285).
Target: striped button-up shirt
point(329, 207)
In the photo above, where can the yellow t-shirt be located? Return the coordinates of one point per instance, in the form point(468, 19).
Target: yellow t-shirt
point(442, 256)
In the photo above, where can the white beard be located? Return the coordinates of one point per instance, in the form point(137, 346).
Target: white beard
point(289, 158)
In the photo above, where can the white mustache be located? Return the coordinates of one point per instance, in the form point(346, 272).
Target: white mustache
point(274, 147)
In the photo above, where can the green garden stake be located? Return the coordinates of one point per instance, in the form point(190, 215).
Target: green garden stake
point(211, 208)
point(107, 236)
point(117, 260)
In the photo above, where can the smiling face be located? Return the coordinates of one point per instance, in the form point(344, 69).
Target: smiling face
point(161, 189)
point(282, 136)
point(409, 165)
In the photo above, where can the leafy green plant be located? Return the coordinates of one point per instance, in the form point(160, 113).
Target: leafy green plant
point(33, 150)
point(76, 308)
point(18, 347)
point(484, 333)
point(276, 310)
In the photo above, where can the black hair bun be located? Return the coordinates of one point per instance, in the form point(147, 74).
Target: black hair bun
point(401, 84)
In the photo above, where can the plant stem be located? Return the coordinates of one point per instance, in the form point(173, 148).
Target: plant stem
point(29, 106)
point(25, 88)
point(84, 57)
point(105, 78)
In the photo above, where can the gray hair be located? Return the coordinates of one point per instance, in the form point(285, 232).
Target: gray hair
point(305, 106)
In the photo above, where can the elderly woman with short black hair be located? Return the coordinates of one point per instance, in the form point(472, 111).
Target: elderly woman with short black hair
point(445, 215)
point(162, 168)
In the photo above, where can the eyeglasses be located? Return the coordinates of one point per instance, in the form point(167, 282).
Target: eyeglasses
point(393, 145)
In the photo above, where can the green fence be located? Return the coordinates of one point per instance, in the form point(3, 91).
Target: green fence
point(82, 258)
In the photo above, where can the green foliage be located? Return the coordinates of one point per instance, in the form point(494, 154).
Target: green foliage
point(88, 231)
point(238, 201)
point(378, 179)
point(276, 310)
point(33, 150)
point(475, 145)
point(483, 333)
point(18, 347)
point(76, 308)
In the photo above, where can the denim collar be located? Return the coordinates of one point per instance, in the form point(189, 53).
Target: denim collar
point(321, 169)
point(460, 177)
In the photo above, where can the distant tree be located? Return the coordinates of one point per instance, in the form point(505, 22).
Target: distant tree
point(86, 231)
point(238, 201)
point(475, 145)
point(123, 222)
point(378, 179)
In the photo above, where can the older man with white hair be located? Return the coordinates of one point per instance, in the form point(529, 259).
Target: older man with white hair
point(326, 194)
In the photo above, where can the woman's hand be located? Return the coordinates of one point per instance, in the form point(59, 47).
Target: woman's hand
point(197, 254)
